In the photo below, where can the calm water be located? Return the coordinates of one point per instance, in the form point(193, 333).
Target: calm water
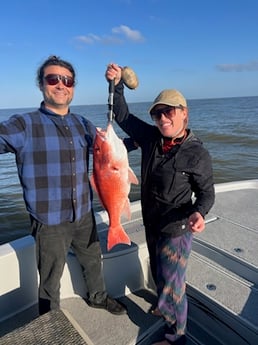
point(228, 127)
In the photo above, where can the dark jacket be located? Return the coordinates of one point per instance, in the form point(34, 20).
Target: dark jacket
point(168, 181)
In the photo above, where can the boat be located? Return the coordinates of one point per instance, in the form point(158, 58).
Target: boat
point(222, 284)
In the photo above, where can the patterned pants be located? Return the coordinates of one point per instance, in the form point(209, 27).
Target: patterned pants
point(172, 257)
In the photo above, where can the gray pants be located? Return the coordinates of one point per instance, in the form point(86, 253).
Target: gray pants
point(52, 245)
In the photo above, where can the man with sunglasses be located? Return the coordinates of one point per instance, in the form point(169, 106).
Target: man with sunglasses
point(52, 148)
point(175, 166)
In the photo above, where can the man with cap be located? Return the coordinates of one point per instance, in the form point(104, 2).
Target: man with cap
point(175, 167)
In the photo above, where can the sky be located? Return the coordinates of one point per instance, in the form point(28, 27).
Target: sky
point(203, 48)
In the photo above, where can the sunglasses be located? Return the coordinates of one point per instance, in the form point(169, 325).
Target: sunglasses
point(54, 79)
point(167, 111)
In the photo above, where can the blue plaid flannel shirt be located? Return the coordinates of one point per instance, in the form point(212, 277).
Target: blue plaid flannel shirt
point(52, 157)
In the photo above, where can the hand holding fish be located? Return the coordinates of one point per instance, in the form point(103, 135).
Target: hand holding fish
point(113, 72)
point(116, 73)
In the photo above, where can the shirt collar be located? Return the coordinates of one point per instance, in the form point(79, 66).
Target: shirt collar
point(47, 111)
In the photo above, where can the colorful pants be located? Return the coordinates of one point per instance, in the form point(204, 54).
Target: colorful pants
point(172, 257)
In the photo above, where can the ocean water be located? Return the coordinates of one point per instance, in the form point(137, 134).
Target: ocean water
point(228, 128)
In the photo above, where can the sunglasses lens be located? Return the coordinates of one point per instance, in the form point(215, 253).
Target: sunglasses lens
point(68, 81)
point(156, 114)
point(53, 79)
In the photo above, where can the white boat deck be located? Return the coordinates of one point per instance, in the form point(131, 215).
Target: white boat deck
point(222, 283)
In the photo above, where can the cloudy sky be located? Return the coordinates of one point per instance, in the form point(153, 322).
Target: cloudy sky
point(206, 49)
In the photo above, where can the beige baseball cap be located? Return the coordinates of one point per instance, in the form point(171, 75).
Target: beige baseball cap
point(169, 97)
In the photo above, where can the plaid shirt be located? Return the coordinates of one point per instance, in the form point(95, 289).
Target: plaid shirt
point(52, 156)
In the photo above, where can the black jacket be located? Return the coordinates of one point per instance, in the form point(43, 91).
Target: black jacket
point(173, 185)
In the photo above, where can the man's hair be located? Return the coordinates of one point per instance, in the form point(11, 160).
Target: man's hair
point(56, 61)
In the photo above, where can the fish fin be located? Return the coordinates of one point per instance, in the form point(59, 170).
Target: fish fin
point(117, 235)
point(126, 211)
point(132, 177)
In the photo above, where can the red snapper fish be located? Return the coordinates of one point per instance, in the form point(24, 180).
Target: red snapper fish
point(111, 179)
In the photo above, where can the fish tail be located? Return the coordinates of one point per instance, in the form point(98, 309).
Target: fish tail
point(117, 235)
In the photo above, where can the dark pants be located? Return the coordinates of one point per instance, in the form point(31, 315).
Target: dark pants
point(52, 245)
